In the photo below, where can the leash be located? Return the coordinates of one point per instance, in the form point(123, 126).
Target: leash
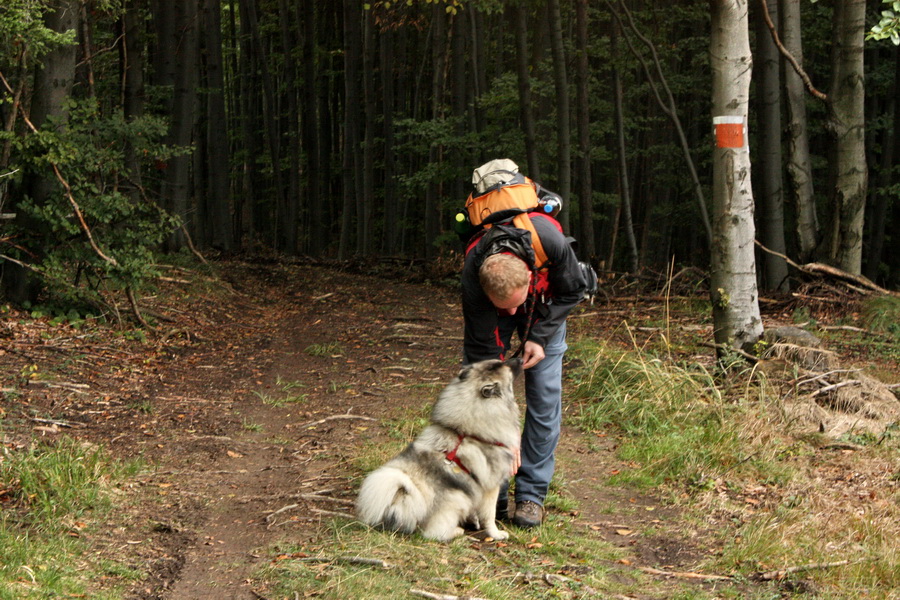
point(532, 300)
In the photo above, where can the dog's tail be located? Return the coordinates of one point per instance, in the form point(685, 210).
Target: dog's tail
point(389, 499)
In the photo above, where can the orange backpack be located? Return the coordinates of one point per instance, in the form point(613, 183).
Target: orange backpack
point(509, 201)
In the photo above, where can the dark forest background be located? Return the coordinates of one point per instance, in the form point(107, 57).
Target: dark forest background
point(343, 129)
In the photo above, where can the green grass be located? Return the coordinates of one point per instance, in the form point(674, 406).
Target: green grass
point(52, 495)
point(331, 349)
point(285, 395)
point(673, 419)
point(882, 314)
point(464, 567)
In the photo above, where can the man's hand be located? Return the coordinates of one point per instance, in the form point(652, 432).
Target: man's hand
point(532, 355)
point(517, 461)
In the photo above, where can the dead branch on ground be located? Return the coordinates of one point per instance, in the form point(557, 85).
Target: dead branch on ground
point(782, 573)
point(684, 575)
point(337, 418)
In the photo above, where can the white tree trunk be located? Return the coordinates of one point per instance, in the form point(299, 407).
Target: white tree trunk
point(733, 267)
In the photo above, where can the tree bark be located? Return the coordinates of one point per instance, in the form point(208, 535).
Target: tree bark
point(218, 157)
point(390, 242)
point(131, 60)
point(734, 295)
point(881, 197)
point(53, 81)
point(624, 183)
point(587, 248)
point(523, 76)
point(366, 225)
point(799, 167)
point(290, 117)
point(435, 155)
point(352, 117)
point(846, 102)
point(561, 84)
point(176, 62)
point(769, 181)
point(314, 202)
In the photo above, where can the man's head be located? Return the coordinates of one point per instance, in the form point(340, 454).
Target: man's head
point(505, 279)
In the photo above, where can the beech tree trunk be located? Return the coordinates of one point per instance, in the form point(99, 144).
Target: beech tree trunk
point(433, 194)
point(769, 181)
point(734, 294)
point(846, 101)
point(799, 167)
point(131, 59)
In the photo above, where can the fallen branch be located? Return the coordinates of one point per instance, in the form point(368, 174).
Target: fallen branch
point(552, 579)
point(332, 513)
point(682, 575)
point(271, 516)
point(835, 386)
point(74, 387)
point(69, 424)
point(350, 560)
point(819, 269)
point(823, 376)
point(337, 418)
point(782, 573)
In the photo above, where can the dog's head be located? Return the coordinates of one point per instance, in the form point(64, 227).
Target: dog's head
point(492, 376)
point(480, 398)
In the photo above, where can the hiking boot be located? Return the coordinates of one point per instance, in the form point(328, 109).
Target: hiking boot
point(528, 514)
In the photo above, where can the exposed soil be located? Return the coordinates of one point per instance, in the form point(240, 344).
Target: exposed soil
point(250, 405)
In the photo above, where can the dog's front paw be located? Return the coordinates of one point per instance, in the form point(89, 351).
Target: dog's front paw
point(497, 534)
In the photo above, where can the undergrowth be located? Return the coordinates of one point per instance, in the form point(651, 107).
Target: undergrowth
point(721, 446)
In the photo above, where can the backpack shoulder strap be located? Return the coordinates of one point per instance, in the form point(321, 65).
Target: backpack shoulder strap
point(541, 261)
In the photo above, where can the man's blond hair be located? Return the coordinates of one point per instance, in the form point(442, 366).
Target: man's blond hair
point(502, 275)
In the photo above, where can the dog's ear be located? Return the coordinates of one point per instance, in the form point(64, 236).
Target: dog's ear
point(464, 373)
point(491, 391)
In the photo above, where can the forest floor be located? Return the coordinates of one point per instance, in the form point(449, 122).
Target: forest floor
point(248, 405)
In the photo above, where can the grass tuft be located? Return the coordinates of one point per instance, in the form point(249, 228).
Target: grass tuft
point(50, 495)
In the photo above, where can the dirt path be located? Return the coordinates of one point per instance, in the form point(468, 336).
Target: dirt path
point(266, 451)
point(344, 352)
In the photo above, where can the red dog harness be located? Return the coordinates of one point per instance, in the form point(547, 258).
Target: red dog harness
point(452, 457)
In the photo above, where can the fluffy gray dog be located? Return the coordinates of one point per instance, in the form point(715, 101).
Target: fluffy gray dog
point(451, 474)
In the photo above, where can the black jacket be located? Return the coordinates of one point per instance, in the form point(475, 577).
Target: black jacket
point(483, 322)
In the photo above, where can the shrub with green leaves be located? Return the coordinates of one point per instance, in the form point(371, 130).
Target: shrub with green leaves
point(90, 153)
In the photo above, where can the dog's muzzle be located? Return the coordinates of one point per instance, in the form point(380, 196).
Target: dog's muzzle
point(515, 364)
